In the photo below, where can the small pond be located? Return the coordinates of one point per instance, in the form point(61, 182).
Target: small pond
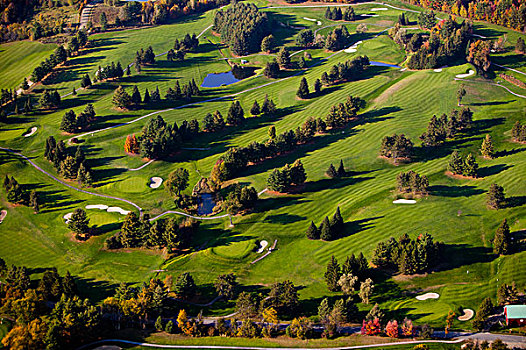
point(219, 79)
point(206, 204)
point(382, 64)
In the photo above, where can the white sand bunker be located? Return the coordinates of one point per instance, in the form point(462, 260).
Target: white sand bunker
point(31, 132)
point(353, 48)
point(470, 73)
point(404, 201)
point(97, 206)
point(118, 210)
point(438, 70)
point(262, 245)
point(367, 15)
point(312, 20)
point(467, 315)
point(156, 182)
point(403, 69)
point(3, 214)
point(379, 9)
point(67, 217)
point(428, 296)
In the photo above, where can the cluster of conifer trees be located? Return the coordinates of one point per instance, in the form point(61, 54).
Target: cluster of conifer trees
point(440, 129)
point(49, 99)
point(336, 14)
point(60, 55)
point(346, 71)
point(186, 92)
point(144, 57)
point(396, 147)
point(282, 180)
point(240, 198)
point(337, 39)
point(408, 256)
point(73, 123)
point(18, 194)
point(111, 71)
point(333, 173)
point(412, 182)
point(242, 27)
point(463, 166)
point(329, 229)
point(237, 159)
point(339, 115)
point(160, 139)
point(140, 232)
point(445, 44)
point(69, 166)
point(188, 43)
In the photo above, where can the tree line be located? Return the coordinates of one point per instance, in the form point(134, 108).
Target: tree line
point(242, 27)
point(73, 123)
point(59, 56)
point(511, 15)
point(346, 71)
point(329, 229)
point(140, 232)
point(282, 180)
point(408, 256)
point(336, 14)
point(17, 193)
point(71, 166)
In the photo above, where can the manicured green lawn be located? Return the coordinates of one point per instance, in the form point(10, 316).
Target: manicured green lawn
point(18, 59)
point(397, 102)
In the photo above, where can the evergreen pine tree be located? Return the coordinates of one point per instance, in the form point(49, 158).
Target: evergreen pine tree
point(502, 241)
point(341, 169)
point(78, 223)
point(312, 231)
point(146, 98)
point(255, 110)
point(325, 230)
point(33, 201)
point(332, 275)
point(470, 166)
point(317, 86)
point(272, 132)
point(136, 98)
point(121, 98)
point(337, 223)
point(303, 90)
point(486, 148)
point(456, 164)
point(331, 172)
point(495, 197)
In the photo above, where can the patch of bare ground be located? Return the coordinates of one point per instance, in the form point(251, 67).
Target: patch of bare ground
point(461, 177)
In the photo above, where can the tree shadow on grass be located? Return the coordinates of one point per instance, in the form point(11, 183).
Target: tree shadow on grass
point(505, 153)
point(55, 201)
point(353, 227)
point(264, 205)
point(324, 184)
point(424, 154)
point(95, 290)
point(493, 170)
point(483, 125)
point(455, 191)
point(491, 103)
point(516, 201)
point(458, 255)
point(283, 219)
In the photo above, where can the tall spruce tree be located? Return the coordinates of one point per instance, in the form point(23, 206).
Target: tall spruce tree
point(325, 230)
point(495, 197)
point(312, 231)
point(333, 274)
point(486, 149)
point(502, 241)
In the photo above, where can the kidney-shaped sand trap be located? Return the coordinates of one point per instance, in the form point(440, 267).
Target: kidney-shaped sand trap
point(156, 182)
point(428, 296)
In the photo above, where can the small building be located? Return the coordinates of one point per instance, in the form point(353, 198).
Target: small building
point(515, 315)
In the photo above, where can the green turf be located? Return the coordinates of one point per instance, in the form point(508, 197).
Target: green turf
point(401, 102)
point(18, 59)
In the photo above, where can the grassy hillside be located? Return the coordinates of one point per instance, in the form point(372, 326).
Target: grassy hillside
point(397, 101)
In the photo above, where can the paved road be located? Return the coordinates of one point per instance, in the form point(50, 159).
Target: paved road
point(162, 346)
point(68, 185)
